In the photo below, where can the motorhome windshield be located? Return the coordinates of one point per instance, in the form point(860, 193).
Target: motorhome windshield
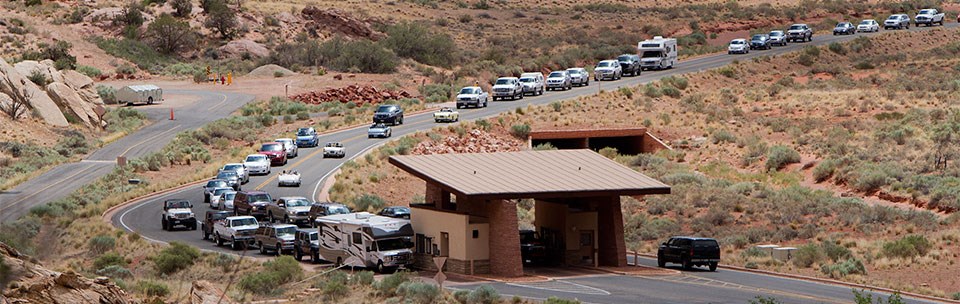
point(652, 54)
point(393, 244)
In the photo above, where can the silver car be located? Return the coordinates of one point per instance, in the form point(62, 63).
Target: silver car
point(226, 200)
point(778, 38)
point(579, 76)
point(240, 169)
point(559, 80)
point(216, 198)
point(379, 130)
point(233, 180)
point(290, 146)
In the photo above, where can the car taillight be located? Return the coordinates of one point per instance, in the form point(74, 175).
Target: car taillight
point(691, 250)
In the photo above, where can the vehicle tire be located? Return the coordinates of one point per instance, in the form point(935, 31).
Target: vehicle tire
point(149, 100)
point(315, 257)
point(297, 254)
point(206, 236)
point(713, 266)
point(163, 223)
point(233, 243)
point(286, 219)
point(193, 226)
point(380, 268)
point(279, 249)
point(263, 250)
point(216, 236)
point(686, 264)
point(541, 91)
point(661, 263)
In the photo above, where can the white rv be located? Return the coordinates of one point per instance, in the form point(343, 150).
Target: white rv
point(657, 53)
point(144, 93)
point(366, 240)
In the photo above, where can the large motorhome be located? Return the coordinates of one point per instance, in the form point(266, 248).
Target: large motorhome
point(366, 240)
point(657, 53)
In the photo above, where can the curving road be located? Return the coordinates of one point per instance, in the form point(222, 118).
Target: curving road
point(144, 217)
point(62, 180)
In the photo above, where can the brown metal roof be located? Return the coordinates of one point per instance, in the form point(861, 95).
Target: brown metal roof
point(582, 133)
point(530, 174)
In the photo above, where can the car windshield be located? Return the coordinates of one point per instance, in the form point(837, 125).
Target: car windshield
point(286, 230)
point(221, 191)
point(233, 167)
point(503, 81)
point(303, 132)
point(384, 109)
point(298, 203)
point(271, 147)
point(894, 17)
point(737, 42)
point(226, 175)
point(573, 72)
point(776, 34)
point(245, 221)
point(652, 54)
point(924, 12)
point(796, 27)
point(260, 197)
point(334, 145)
point(337, 210)
point(285, 141)
point(757, 37)
point(841, 24)
point(378, 126)
point(604, 64)
point(623, 58)
point(229, 196)
point(556, 74)
point(216, 183)
point(255, 158)
point(467, 91)
point(178, 204)
point(865, 22)
point(393, 244)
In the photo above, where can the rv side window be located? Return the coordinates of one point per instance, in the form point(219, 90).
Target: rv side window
point(357, 238)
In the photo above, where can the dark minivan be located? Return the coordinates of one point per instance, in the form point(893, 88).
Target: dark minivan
point(689, 252)
point(252, 203)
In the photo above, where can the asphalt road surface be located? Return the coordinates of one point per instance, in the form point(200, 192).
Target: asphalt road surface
point(62, 180)
point(144, 217)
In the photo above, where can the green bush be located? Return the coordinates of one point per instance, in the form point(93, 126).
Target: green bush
point(143, 55)
point(440, 92)
point(728, 72)
point(483, 295)
point(807, 255)
point(182, 8)
point(124, 119)
point(907, 247)
point(287, 267)
point(678, 82)
point(388, 286)
point(825, 169)
point(115, 272)
point(107, 94)
point(362, 278)
point(109, 259)
point(175, 257)
point(130, 16)
point(838, 48)
point(779, 156)
point(260, 283)
point(418, 292)
point(101, 243)
point(835, 252)
point(153, 288)
point(521, 131)
point(842, 269)
point(863, 297)
point(38, 78)
point(864, 65)
point(670, 91)
point(369, 202)
point(58, 52)
point(335, 286)
point(555, 300)
point(652, 91)
point(723, 136)
point(806, 60)
point(626, 92)
point(417, 41)
point(90, 71)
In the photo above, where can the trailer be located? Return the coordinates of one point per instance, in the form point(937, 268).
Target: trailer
point(657, 53)
point(366, 240)
point(139, 94)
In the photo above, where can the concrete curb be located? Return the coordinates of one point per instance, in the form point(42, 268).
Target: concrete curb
point(828, 281)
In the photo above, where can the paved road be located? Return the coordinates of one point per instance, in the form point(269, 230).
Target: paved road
point(62, 180)
point(144, 217)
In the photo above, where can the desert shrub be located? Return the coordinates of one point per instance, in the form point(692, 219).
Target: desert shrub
point(779, 156)
point(282, 270)
point(652, 91)
point(521, 131)
point(368, 202)
point(544, 146)
point(838, 48)
point(435, 92)
point(863, 297)
point(608, 152)
point(143, 55)
point(38, 78)
point(955, 295)
point(101, 243)
point(261, 283)
point(182, 8)
point(835, 252)
point(728, 71)
point(907, 247)
point(842, 269)
point(626, 92)
point(223, 261)
point(362, 55)
point(109, 259)
point(72, 143)
point(678, 82)
point(806, 59)
point(764, 300)
point(670, 91)
point(58, 52)
point(124, 119)
point(152, 288)
point(130, 16)
point(125, 69)
point(555, 300)
point(419, 42)
point(175, 257)
point(90, 71)
point(723, 136)
point(825, 169)
point(335, 286)
point(418, 292)
point(483, 295)
point(864, 65)
point(869, 178)
point(388, 286)
point(362, 278)
point(115, 271)
point(807, 255)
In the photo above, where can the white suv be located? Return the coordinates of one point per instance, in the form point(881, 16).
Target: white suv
point(257, 164)
point(533, 83)
point(507, 87)
point(607, 69)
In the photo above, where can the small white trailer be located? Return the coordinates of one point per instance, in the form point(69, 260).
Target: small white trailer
point(366, 240)
point(657, 53)
point(139, 94)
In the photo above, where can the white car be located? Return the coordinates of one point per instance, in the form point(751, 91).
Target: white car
point(533, 83)
point(607, 69)
point(216, 195)
point(288, 178)
point(290, 146)
point(240, 169)
point(579, 76)
point(778, 38)
point(868, 25)
point(446, 115)
point(334, 149)
point(257, 164)
point(472, 96)
point(738, 46)
point(226, 200)
point(379, 130)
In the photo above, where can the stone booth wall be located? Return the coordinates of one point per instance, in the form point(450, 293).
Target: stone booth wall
point(425, 262)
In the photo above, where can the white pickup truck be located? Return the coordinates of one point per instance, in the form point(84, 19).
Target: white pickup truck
point(929, 17)
point(238, 230)
point(334, 149)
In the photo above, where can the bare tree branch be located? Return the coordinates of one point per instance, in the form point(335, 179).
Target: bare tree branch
point(19, 100)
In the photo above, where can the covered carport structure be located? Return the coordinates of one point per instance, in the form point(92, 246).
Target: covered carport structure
point(470, 209)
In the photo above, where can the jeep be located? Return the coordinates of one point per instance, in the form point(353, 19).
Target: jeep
point(178, 212)
point(307, 241)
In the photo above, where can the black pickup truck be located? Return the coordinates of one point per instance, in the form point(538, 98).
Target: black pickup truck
point(689, 252)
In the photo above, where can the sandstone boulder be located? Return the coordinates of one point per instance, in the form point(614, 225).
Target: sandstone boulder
point(28, 67)
point(76, 80)
point(204, 292)
point(237, 48)
point(39, 101)
point(34, 284)
point(69, 100)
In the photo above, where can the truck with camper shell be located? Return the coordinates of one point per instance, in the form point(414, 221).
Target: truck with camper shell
point(366, 240)
point(658, 53)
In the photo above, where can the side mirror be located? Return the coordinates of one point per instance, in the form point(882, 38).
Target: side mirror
point(663, 244)
point(190, 206)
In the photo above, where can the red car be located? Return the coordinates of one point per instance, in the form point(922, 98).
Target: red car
point(274, 151)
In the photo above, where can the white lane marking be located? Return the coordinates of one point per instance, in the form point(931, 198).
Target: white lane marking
point(319, 182)
point(563, 286)
point(98, 161)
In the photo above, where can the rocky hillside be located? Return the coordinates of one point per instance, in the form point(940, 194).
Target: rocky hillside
point(57, 97)
point(32, 283)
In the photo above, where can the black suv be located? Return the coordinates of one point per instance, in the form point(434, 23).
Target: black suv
point(629, 64)
point(212, 217)
point(400, 212)
point(325, 209)
point(391, 114)
point(532, 250)
point(689, 252)
point(307, 241)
